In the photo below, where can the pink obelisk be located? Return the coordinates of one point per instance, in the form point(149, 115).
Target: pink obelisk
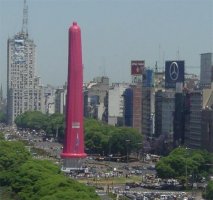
point(73, 150)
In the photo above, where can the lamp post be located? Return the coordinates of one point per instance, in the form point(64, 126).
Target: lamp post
point(127, 152)
point(56, 135)
point(138, 152)
point(186, 174)
point(109, 153)
point(186, 167)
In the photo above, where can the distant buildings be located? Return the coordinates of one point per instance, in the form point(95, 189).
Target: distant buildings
point(97, 98)
point(168, 104)
point(24, 91)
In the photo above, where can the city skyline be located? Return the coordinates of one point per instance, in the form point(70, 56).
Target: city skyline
point(113, 34)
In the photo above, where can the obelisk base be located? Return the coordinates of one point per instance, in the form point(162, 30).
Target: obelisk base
point(73, 164)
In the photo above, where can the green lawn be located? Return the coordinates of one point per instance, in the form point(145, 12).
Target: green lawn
point(112, 180)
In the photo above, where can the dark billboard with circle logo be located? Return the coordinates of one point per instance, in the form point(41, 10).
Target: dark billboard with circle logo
point(174, 73)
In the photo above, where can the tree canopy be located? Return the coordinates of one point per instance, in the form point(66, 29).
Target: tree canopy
point(36, 120)
point(99, 137)
point(32, 119)
point(106, 139)
point(209, 191)
point(37, 179)
point(196, 162)
point(3, 117)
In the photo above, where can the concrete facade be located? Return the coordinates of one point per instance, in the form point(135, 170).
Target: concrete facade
point(116, 103)
point(207, 129)
point(148, 111)
point(97, 93)
point(168, 108)
point(24, 92)
point(137, 107)
point(199, 100)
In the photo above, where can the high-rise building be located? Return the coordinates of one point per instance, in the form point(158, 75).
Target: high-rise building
point(168, 108)
point(23, 90)
point(128, 107)
point(206, 70)
point(60, 99)
point(137, 72)
point(207, 129)
point(97, 92)
point(199, 100)
point(158, 112)
point(148, 104)
point(137, 107)
point(49, 99)
point(159, 82)
point(181, 117)
point(116, 103)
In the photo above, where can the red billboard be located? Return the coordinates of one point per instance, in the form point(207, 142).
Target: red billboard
point(137, 67)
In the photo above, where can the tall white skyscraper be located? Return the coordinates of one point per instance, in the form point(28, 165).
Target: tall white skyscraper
point(23, 90)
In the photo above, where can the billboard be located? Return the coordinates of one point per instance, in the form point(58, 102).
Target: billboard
point(174, 73)
point(137, 67)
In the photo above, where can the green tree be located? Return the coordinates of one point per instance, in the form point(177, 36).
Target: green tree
point(51, 124)
point(3, 117)
point(181, 159)
point(37, 179)
point(32, 119)
point(101, 137)
point(55, 125)
point(209, 191)
point(1, 136)
point(12, 155)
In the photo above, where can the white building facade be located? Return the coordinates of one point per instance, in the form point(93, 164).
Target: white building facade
point(23, 90)
point(116, 103)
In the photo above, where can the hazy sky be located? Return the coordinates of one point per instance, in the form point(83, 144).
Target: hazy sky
point(114, 32)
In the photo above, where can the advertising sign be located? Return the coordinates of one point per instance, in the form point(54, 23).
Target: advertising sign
point(137, 67)
point(174, 73)
point(136, 79)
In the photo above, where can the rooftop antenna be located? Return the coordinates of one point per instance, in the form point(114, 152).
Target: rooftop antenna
point(163, 66)
point(156, 66)
point(25, 19)
point(159, 54)
point(178, 54)
point(104, 66)
point(1, 93)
